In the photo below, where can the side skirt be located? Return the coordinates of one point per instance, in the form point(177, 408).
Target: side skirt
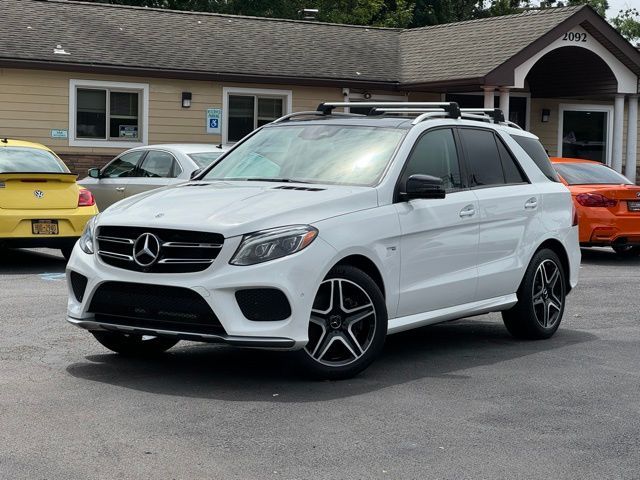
point(401, 324)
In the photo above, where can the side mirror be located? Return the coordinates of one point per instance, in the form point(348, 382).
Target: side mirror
point(424, 186)
point(195, 173)
point(94, 172)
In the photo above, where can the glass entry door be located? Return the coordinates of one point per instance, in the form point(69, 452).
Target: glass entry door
point(584, 133)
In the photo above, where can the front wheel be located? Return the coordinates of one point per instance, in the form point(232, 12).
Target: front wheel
point(348, 325)
point(134, 345)
point(541, 299)
point(627, 251)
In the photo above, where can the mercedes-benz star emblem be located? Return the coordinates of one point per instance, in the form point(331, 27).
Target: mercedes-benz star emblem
point(146, 249)
point(38, 193)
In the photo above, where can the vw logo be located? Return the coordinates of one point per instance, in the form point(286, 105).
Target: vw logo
point(38, 193)
point(146, 249)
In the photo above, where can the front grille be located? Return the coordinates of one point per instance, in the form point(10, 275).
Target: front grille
point(78, 284)
point(157, 307)
point(263, 304)
point(181, 251)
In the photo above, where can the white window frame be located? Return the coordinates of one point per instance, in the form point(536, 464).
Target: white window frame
point(143, 115)
point(287, 104)
point(582, 107)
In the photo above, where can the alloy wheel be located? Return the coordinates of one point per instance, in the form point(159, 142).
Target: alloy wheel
point(548, 294)
point(342, 323)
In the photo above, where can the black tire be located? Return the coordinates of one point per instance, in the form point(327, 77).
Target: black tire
point(134, 345)
point(543, 289)
point(344, 339)
point(66, 252)
point(628, 251)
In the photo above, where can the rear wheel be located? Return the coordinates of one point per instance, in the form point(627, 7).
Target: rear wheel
point(133, 344)
point(627, 250)
point(541, 299)
point(348, 325)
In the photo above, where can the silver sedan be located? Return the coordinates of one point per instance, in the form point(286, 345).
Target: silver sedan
point(144, 168)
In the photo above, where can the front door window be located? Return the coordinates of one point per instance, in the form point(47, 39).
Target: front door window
point(584, 134)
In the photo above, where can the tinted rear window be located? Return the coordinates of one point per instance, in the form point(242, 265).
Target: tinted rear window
point(30, 160)
point(537, 153)
point(589, 174)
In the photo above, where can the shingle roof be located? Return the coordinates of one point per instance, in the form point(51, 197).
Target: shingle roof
point(104, 34)
point(472, 48)
point(145, 41)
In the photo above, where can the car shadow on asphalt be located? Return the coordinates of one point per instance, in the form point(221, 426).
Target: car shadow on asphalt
point(20, 262)
point(607, 257)
point(218, 372)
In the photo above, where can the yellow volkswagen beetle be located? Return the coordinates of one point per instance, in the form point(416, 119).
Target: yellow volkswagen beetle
point(41, 205)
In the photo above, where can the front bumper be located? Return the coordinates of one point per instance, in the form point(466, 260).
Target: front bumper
point(256, 342)
point(297, 276)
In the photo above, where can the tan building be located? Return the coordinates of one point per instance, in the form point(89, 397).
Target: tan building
point(91, 80)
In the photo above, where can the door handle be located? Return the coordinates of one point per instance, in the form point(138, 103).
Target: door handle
point(531, 203)
point(119, 189)
point(467, 211)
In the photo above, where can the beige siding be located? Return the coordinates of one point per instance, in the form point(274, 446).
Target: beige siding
point(33, 102)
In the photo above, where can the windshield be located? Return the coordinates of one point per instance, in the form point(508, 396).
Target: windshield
point(27, 160)
point(338, 154)
point(204, 159)
point(589, 174)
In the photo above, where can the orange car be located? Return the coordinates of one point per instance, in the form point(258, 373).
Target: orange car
point(608, 205)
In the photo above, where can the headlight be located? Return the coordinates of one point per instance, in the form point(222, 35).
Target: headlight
point(274, 243)
point(86, 240)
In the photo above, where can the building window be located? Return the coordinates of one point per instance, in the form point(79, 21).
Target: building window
point(110, 114)
point(245, 110)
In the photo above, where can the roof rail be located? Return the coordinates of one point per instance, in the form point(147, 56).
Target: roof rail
point(313, 114)
point(494, 113)
point(451, 108)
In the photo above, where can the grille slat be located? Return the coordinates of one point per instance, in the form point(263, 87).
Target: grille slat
point(155, 307)
point(181, 251)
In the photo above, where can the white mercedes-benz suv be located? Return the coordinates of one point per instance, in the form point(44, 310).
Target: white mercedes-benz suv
point(323, 232)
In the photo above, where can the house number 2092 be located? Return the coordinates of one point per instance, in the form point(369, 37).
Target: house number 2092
point(575, 37)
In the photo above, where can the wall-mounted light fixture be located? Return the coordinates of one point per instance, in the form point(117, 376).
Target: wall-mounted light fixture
point(546, 113)
point(186, 99)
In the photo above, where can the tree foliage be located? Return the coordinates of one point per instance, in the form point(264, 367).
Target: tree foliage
point(627, 22)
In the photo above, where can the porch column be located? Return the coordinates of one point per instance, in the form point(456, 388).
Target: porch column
point(618, 121)
point(504, 102)
point(632, 139)
point(488, 97)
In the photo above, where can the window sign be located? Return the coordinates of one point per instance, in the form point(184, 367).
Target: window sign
point(128, 131)
point(59, 133)
point(214, 120)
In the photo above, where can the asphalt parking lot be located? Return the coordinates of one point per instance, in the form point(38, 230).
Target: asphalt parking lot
point(453, 401)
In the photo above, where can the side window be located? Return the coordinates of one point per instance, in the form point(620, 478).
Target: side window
point(124, 166)
point(485, 166)
point(435, 154)
point(537, 153)
point(158, 164)
point(512, 172)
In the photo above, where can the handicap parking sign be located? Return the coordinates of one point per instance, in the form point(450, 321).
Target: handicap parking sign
point(213, 120)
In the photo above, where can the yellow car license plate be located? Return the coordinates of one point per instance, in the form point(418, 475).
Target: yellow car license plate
point(44, 227)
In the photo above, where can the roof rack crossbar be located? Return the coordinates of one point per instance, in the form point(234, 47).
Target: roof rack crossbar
point(452, 108)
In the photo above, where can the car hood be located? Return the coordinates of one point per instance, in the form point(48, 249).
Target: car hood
point(236, 208)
